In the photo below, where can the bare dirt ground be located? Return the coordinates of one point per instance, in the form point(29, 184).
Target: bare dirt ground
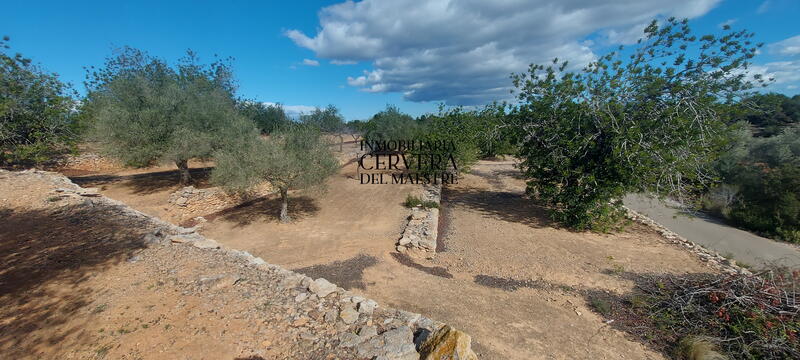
point(87, 278)
point(507, 276)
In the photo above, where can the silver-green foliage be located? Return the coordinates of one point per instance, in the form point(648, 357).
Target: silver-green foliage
point(143, 111)
point(295, 157)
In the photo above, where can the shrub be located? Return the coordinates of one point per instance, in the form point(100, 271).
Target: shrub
point(746, 316)
point(36, 117)
point(633, 123)
point(760, 187)
point(413, 201)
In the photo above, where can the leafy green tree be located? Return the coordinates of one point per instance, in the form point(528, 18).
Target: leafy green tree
point(267, 117)
point(391, 124)
point(636, 120)
point(36, 117)
point(295, 157)
point(328, 120)
point(144, 111)
point(760, 188)
point(768, 113)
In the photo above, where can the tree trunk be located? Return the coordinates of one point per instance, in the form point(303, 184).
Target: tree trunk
point(285, 206)
point(183, 168)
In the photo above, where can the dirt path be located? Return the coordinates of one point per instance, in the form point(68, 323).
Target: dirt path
point(508, 277)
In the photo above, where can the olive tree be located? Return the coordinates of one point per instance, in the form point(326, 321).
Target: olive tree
point(295, 157)
point(391, 124)
point(328, 120)
point(642, 119)
point(36, 117)
point(144, 111)
point(267, 117)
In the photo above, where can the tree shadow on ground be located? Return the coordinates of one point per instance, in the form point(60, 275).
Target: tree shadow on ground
point(501, 205)
point(265, 208)
point(433, 270)
point(147, 183)
point(348, 274)
point(47, 255)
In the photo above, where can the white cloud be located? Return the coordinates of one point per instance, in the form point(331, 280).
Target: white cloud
point(788, 47)
point(626, 36)
point(786, 69)
point(463, 52)
point(310, 62)
point(764, 7)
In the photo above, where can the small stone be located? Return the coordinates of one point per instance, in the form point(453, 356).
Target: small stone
point(206, 244)
point(301, 297)
point(330, 316)
point(356, 299)
point(405, 240)
point(225, 282)
point(322, 287)
point(266, 343)
point(300, 322)
point(367, 332)
point(367, 306)
point(349, 339)
point(349, 315)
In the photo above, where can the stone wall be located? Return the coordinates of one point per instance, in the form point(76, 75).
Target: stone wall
point(421, 230)
point(361, 325)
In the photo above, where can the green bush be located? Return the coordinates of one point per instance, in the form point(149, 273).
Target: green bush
point(747, 316)
point(760, 188)
point(413, 201)
point(628, 123)
point(37, 121)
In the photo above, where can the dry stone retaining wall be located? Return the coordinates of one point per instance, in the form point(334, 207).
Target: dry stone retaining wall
point(362, 326)
point(421, 230)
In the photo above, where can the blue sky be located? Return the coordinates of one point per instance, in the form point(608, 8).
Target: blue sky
point(362, 55)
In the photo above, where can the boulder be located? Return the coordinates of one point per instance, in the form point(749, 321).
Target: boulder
point(447, 343)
